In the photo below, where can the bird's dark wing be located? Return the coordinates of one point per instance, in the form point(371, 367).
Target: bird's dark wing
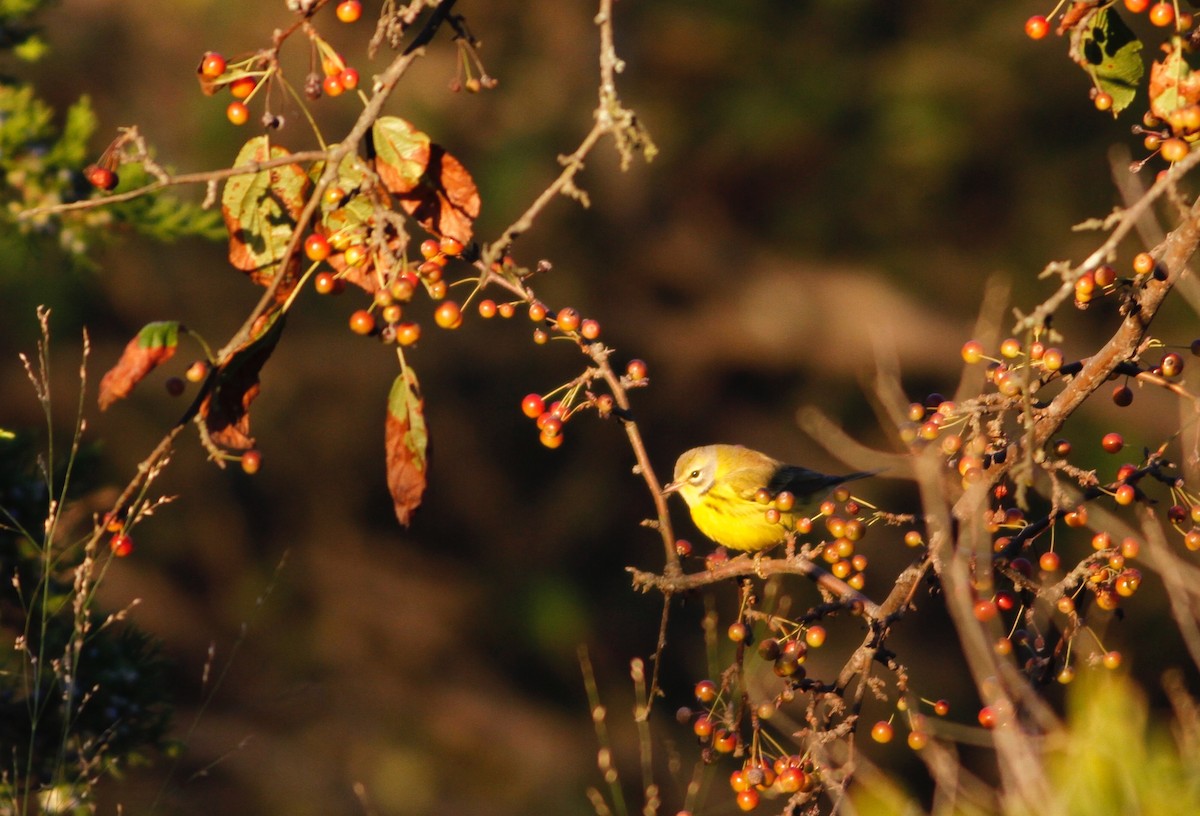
point(804, 483)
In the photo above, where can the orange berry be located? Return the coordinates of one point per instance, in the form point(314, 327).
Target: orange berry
point(212, 65)
point(1162, 14)
point(316, 247)
point(362, 322)
point(237, 113)
point(242, 87)
point(408, 333)
point(1037, 27)
point(448, 315)
point(348, 11)
point(251, 461)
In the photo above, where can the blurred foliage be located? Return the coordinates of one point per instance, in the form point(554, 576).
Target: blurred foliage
point(1112, 758)
point(64, 721)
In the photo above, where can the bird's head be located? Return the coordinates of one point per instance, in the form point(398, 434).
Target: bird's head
point(695, 472)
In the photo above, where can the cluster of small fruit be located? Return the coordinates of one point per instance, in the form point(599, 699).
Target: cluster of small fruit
point(551, 417)
point(244, 78)
point(469, 64)
point(938, 419)
point(347, 251)
point(763, 771)
point(884, 731)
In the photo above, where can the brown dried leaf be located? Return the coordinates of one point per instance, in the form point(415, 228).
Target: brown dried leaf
point(153, 346)
point(406, 443)
point(226, 410)
point(446, 202)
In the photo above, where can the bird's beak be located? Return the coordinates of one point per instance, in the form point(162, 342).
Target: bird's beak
point(673, 487)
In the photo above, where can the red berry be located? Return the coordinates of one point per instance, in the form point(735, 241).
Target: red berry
point(703, 727)
point(738, 632)
point(815, 636)
point(636, 370)
point(537, 312)
point(238, 113)
point(430, 248)
point(326, 283)
point(1037, 27)
point(251, 461)
point(987, 717)
point(448, 315)
point(1103, 101)
point(348, 11)
point(985, 610)
point(1122, 395)
point(451, 247)
point(882, 732)
point(1137, 6)
point(747, 799)
point(121, 545)
point(333, 85)
point(349, 79)
point(316, 247)
point(1049, 561)
point(1171, 364)
point(212, 65)
point(99, 177)
point(533, 406)
point(362, 322)
point(941, 708)
point(175, 386)
point(1112, 442)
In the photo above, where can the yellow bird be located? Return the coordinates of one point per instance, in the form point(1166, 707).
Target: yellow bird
point(720, 483)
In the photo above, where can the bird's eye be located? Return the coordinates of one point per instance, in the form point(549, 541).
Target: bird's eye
point(695, 474)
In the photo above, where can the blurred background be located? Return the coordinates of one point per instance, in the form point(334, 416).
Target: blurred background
point(833, 179)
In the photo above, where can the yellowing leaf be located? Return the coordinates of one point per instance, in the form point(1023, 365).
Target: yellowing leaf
point(401, 153)
point(1104, 46)
point(1173, 85)
point(261, 210)
point(153, 346)
point(406, 444)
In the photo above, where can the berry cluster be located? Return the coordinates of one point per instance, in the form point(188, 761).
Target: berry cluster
point(766, 768)
point(393, 281)
point(245, 78)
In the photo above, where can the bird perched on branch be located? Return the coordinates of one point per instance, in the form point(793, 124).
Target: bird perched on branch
point(722, 485)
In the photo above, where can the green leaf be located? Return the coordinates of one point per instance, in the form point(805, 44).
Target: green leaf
point(1108, 50)
point(261, 210)
point(162, 334)
point(401, 153)
point(406, 443)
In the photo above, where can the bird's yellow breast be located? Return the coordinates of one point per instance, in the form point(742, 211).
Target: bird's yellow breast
point(732, 521)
